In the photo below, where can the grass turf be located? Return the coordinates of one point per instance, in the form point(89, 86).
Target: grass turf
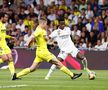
point(58, 81)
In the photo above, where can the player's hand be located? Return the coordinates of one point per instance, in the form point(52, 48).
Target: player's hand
point(26, 45)
point(14, 38)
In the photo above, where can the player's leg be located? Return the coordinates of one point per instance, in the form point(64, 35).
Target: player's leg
point(1, 61)
point(76, 53)
point(28, 70)
point(62, 56)
point(8, 53)
point(3, 57)
point(64, 69)
point(84, 61)
point(51, 70)
point(85, 64)
point(49, 57)
point(11, 63)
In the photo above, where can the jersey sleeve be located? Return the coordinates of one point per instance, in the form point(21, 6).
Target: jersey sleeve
point(68, 30)
point(7, 36)
point(37, 33)
point(53, 34)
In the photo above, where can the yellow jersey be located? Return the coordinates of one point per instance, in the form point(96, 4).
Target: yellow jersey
point(3, 43)
point(39, 37)
point(2, 34)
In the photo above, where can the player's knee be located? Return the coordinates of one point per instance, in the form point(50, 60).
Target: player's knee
point(10, 59)
point(32, 69)
point(60, 59)
point(59, 64)
point(80, 56)
point(5, 58)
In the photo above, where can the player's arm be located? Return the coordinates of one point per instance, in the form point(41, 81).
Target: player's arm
point(46, 38)
point(6, 36)
point(52, 37)
point(51, 42)
point(72, 38)
point(29, 40)
point(70, 32)
point(10, 37)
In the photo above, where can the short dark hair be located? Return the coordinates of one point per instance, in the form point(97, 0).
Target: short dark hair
point(2, 14)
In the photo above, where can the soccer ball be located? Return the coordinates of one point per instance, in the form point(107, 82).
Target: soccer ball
point(92, 75)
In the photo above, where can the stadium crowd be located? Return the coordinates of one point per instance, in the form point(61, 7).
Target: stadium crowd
point(88, 20)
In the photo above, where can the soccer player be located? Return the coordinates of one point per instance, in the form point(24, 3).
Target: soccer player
point(63, 37)
point(42, 53)
point(5, 52)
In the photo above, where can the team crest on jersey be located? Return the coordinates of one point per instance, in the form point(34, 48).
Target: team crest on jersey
point(3, 30)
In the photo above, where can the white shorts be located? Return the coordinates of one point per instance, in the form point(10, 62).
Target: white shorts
point(63, 54)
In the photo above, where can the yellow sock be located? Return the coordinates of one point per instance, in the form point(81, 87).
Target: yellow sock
point(1, 61)
point(11, 67)
point(67, 71)
point(23, 72)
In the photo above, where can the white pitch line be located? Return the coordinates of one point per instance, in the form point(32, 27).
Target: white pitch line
point(13, 86)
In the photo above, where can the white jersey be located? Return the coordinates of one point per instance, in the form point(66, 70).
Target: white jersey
point(62, 37)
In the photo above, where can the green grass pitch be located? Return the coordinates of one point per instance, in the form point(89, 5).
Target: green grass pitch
point(58, 81)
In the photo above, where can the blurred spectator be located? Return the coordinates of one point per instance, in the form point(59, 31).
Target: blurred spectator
point(27, 35)
point(75, 31)
point(106, 26)
point(101, 46)
point(104, 15)
point(88, 19)
point(103, 37)
point(71, 16)
point(63, 5)
point(28, 2)
point(92, 39)
point(52, 15)
point(83, 5)
point(66, 19)
point(83, 14)
point(98, 24)
point(96, 11)
point(68, 3)
point(20, 25)
point(89, 25)
point(1, 2)
point(93, 4)
point(89, 12)
point(14, 6)
point(22, 14)
point(37, 9)
point(80, 24)
point(82, 44)
point(77, 12)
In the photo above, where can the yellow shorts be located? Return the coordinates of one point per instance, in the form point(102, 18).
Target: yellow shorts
point(4, 50)
point(43, 55)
